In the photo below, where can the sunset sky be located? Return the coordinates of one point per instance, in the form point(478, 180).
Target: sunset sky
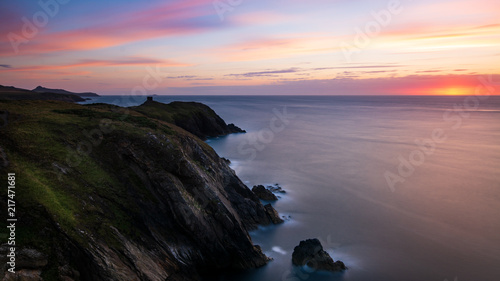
point(316, 47)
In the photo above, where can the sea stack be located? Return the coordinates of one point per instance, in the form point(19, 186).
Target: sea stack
point(310, 252)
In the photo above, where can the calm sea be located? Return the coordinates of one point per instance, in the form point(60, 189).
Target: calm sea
point(399, 188)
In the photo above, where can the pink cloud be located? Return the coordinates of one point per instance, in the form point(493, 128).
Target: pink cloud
point(133, 61)
point(262, 18)
point(430, 30)
point(165, 20)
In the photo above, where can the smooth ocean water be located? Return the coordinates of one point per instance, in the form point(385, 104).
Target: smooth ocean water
point(331, 155)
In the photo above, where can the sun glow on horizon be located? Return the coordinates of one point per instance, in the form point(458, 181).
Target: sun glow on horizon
point(452, 91)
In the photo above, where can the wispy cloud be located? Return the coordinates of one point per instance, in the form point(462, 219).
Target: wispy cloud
point(113, 29)
point(429, 71)
point(496, 25)
point(191, 78)
point(359, 66)
point(348, 84)
point(101, 63)
point(282, 46)
point(182, 77)
point(308, 71)
point(200, 79)
point(265, 73)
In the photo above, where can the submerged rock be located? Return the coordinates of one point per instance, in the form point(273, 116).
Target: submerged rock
point(263, 193)
point(310, 252)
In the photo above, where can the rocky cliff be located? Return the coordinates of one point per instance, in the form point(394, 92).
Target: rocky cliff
point(108, 193)
point(194, 117)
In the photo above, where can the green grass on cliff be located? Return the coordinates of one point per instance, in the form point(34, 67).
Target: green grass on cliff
point(41, 141)
point(92, 113)
point(173, 111)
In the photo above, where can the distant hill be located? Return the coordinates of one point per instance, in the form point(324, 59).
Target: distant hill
point(13, 93)
point(41, 89)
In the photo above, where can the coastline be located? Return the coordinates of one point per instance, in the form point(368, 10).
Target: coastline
point(135, 166)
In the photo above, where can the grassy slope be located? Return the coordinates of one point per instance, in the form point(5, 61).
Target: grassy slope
point(173, 111)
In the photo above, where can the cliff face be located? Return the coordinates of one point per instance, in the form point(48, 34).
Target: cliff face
point(105, 193)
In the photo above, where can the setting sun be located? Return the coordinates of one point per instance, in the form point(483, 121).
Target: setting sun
point(452, 91)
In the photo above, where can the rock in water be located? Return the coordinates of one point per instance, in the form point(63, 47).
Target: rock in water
point(273, 214)
point(310, 252)
point(263, 193)
point(275, 188)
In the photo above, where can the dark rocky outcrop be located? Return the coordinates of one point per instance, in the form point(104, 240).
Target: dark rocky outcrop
point(273, 214)
point(276, 188)
point(264, 193)
point(41, 89)
point(28, 264)
point(310, 252)
point(196, 118)
point(234, 129)
point(145, 200)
